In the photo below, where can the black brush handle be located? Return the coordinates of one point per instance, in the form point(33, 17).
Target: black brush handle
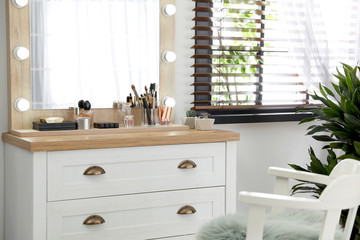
point(146, 107)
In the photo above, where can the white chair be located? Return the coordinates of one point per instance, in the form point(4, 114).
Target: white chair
point(342, 192)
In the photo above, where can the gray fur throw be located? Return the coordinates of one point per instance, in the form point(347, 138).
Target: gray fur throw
point(296, 225)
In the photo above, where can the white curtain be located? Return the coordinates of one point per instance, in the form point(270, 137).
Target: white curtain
point(321, 34)
point(92, 50)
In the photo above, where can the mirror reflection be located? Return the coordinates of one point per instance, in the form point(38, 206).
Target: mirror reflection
point(92, 49)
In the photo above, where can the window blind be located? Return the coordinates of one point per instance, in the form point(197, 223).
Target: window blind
point(242, 57)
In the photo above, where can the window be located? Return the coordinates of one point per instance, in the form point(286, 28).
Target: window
point(251, 57)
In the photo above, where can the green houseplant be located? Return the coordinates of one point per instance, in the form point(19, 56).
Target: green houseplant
point(338, 126)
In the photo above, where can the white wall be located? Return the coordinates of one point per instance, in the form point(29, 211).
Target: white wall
point(3, 110)
point(261, 144)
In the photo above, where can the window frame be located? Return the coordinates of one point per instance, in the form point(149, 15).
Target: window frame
point(276, 113)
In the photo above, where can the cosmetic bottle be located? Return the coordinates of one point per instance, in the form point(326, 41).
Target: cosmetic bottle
point(119, 111)
point(127, 108)
point(85, 110)
point(128, 119)
point(75, 112)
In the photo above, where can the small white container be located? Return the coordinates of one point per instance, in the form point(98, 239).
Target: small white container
point(204, 124)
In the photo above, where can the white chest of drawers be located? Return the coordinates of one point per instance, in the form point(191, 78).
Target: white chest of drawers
point(143, 192)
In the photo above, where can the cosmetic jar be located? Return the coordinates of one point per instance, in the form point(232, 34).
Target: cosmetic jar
point(129, 121)
point(83, 123)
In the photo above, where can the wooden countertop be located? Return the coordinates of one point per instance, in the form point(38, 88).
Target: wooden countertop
point(76, 142)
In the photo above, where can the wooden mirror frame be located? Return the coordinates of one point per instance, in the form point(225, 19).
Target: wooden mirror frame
point(19, 77)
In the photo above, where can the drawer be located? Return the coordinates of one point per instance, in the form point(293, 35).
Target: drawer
point(134, 170)
point(138, 216)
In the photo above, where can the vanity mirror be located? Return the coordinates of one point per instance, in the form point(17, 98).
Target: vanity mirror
point(96, 52)
point(23, 75)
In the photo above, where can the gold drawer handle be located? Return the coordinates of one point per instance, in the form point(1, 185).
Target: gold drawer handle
point(94, 170)
point(94, 220)
point(187, 164)
point(187, 209)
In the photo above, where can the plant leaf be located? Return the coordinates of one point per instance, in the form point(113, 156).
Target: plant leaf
point(336, 87)
point(317, 129)
point(341, 135)
point(354, 108)
point(322, 91)
point(357, 147)
point(330, 112)
point(336, 145)
point(329, 92)
point(323, 100)
point(351, 156)
point(311, 127)
point(316, 166)
point(347, 148)
point(323, 138)
point(332, 161)
point(352, 121)
point(346, 66)
point(348, 74)
point(331, 155)
point(298, 168)
point(309, 119)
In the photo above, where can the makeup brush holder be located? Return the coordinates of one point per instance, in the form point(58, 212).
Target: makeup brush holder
point(151, 117)
point(138, 113)
point(165, 115)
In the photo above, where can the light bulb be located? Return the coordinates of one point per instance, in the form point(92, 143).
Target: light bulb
point(169, 102)
point(168, 56)
point(21, 53)
point(20, 3)
point(22, 105)
point(169, 10)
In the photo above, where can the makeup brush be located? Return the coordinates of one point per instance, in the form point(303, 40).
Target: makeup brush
point(152, 89)
point(136, 94)
point(146, 92)
point(134, 90)
point(155, 95)
point(130, 100)
point(147, 110)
